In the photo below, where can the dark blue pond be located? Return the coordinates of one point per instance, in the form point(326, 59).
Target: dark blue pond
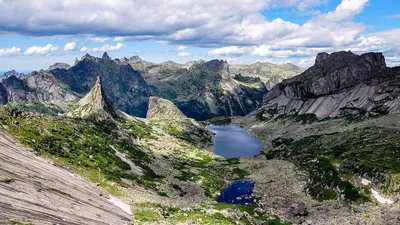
point(239, 192)
point(232, 141)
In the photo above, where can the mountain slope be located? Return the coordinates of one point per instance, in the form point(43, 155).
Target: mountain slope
point(338, 84)
point(124, 86)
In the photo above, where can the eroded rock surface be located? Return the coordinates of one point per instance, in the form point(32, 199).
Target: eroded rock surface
point(40, 191)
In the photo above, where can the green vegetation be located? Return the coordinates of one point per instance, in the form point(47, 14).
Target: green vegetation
point(37, 107)
point(84, 145)
point(371, 153)
point(13, 222)
point(221, 120)
point(7, 180)
point(206, 214)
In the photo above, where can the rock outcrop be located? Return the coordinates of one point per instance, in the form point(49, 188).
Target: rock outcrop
point(338, 84)
point(167, 116)
point(96, 105)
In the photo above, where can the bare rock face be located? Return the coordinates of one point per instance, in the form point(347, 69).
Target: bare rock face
point(339, 83)
point(18, 90)
point(96, 105)
point(36, 190)
point(47, 89)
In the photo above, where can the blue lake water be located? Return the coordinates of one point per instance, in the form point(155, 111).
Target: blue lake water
point(239, 192)
point(232, 141)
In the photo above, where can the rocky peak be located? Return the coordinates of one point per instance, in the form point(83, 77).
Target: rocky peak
point(105, 56)
point(87, 56)
point(320, 59)
point(96, 105)
point(59, 66)
point(217, 65)
point(76, 61)
point(11, 73)
point(135, 59)
point(159, 107)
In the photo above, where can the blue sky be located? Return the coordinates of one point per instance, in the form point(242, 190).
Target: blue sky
point(35, 35)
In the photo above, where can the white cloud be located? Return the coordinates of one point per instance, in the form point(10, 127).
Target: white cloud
point(104, 48)
point(183, 54)
point(37, 50)
point(182, 47)
point(346, 10)
point(99, 39)
point(231, 50)
point(69, 47)
point(10, 51)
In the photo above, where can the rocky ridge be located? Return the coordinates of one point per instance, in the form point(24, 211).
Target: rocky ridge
point(338, 84)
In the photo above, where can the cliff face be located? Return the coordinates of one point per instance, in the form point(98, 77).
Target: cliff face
point(338, 84)
point(125, 87)
point(49, 90)
point(201, 89)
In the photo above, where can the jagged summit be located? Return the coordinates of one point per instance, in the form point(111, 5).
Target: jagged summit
point(105, 56)
point(96, 104)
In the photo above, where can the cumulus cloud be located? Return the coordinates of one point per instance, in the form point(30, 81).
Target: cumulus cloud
point(37, 50)
point(345, 10)
point(10, 51)
point(104, 48)
point(182, 47)
point(69, 47)
point(183, 54)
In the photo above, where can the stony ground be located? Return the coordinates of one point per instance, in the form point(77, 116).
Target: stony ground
point(281, 184)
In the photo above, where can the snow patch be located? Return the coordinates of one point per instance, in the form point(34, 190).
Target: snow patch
point(380, 198)
point(120, 204)
point(365, 182)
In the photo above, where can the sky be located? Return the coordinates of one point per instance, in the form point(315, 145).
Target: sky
point(35, 34)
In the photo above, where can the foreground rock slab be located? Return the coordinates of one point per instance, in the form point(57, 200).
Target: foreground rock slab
point(40, 191)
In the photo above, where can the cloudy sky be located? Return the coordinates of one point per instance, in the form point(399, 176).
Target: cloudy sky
point(37, 33)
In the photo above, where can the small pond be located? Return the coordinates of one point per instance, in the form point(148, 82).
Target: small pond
point(239, 192)
point(232, 142)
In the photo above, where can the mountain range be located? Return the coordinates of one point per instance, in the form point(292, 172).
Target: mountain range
point(200, 89)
